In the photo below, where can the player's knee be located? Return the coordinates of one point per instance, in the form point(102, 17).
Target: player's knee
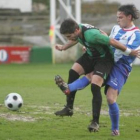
point(110, 100)
point(111, 95)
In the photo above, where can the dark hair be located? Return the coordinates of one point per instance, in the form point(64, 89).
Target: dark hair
point(68, 26)
point(129, 9)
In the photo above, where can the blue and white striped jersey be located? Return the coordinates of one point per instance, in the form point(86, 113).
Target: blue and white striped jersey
point(131, 39)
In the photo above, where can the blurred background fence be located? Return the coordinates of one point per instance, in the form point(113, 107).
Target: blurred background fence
point(25, 24)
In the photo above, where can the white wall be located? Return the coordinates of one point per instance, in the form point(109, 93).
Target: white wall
point(135, 2)
point(23, 5)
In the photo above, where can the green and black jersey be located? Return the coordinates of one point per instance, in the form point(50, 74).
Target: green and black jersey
point(96, 43)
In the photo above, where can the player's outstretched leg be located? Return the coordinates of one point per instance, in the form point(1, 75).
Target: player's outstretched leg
point(66, 111)
point(62, 85)
point(93, 127)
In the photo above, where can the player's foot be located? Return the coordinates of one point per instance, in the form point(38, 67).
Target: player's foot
point(62, 85)
point(66, 111)
point(93, 127)
point(115, 133)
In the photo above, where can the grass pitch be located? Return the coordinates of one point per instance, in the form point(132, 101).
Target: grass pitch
point(36, 119)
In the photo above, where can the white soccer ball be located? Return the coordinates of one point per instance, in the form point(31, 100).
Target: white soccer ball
point(13, 101)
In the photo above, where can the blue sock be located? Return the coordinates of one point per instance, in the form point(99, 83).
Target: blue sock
point(79, 84)
point(114, 115)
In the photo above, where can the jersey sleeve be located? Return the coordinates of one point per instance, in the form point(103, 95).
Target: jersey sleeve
point(134, 40)
point(94, 36)
point(112, 32)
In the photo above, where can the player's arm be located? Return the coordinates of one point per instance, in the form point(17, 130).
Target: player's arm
point(104, 33)
point(122, 47)
point(69, 44)
point(98, 38)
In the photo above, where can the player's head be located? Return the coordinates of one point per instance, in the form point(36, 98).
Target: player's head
point(129, 9)
point(70, 29)
point(126, 14)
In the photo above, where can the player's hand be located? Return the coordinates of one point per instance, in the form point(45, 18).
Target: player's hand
point(59, 47)
point(135, 53)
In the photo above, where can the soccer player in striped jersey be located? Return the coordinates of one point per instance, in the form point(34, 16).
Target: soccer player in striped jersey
point(128, 34)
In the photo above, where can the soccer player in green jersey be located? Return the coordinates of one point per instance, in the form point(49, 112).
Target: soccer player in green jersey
point(98, 59)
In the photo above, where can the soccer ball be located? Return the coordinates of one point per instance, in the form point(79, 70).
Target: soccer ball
point(13, 101)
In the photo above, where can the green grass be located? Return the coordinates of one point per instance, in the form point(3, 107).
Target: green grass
point(36, 119)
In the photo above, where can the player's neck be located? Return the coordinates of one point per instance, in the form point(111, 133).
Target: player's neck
point(130, 26)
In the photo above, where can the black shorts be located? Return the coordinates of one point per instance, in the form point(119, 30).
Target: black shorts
point(100, 66)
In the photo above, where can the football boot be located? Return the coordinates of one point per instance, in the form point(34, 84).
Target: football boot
point(62, 85)
point(93, 127)
point(66, 111)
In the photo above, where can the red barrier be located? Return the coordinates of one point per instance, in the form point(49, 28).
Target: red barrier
point(14, 54)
